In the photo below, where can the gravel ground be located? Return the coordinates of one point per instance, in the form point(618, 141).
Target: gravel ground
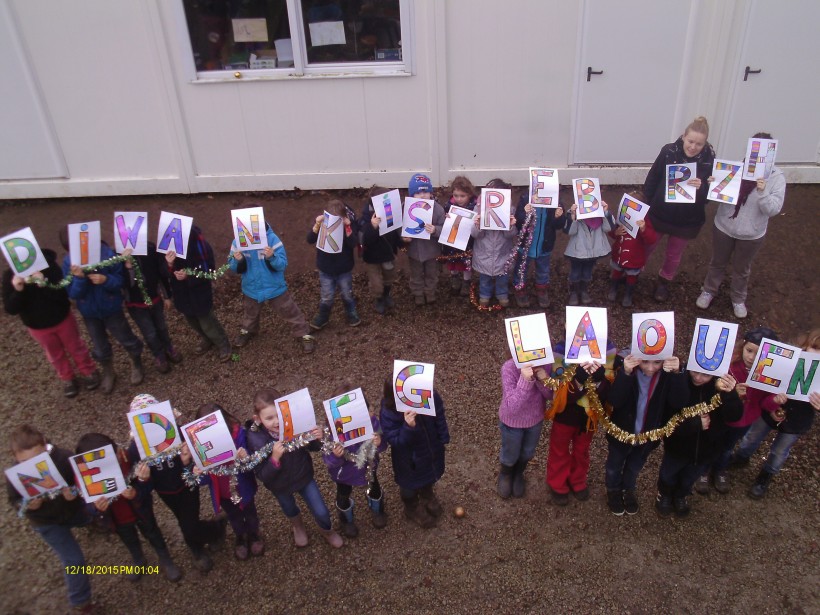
point(732, 555)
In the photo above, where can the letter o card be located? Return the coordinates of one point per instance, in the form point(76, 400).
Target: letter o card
point(209, 440)
point(529, 340)
point(712, 344)
point(35, 476)
point(23, 252)
point(413, 387)
point(154, 428)
point(98, 474)
point(773, 366)
point(348, 417)
point(653, 335)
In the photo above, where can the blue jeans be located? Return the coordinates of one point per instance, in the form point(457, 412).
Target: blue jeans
point(62, 541)
point(624, 462)
point(328, 285)
point(518, 443)
point(778, 453)
point(152, 325)
point(117, 326)
point(313, 498)
point(542, 269)
point(580, 269)
point(730, 438)
point(489, 285)
point(677, 476)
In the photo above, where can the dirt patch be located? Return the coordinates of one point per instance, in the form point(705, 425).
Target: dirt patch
point(731, 555)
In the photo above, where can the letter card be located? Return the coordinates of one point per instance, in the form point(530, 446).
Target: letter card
point(586, 334)
point(84, 243)
point(417, 213)
point(677, 190)
point(773, 366)
point(154, 428)
point(712, 344)
point(630, 211)
point(760, 156)
point(296, 415)
point(495, 209)
point(413, 387)
point(331, 234)
point(23, 252)
point(387, 207)
point(544, 187)
point(35, 476)
point(209, 440)
point(349, 419)
point(587, 194)
point(249, 231)
point(529, 340)
point(804, 380)
point(653, 335)
point(131, 231)
point(725, 187)
point(456, 230)
point(98, 474)
point(173, 233)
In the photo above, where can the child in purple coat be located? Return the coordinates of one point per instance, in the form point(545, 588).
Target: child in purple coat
point(346, 474)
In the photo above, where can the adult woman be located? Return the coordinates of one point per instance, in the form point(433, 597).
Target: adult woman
point(738, 235)
point(680, 221)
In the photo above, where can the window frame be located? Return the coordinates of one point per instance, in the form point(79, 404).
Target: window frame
point(301, 69)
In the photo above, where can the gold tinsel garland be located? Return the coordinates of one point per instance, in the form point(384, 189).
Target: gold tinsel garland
point(621, 434)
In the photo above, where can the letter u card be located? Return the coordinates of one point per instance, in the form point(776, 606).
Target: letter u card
point(296, 415)
point(249, 231)
point(348, 417)
point(653, 335)
point(154, 428)
point(712, 345)
point(413, 387)
point(98, 474)
point(35, 476)
point(586, 335)
point(773, 366)
point(529, 340)
point(209, 440)
point(23, 252)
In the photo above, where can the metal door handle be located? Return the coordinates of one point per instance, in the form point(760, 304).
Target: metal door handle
point(591, 72)
point(747, 72)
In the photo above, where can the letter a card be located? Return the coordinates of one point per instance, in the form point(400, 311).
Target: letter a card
point(349, 418)
point(173, 233)
point(413, 387)
point(35, 476)
point(529, 340)
point(249, 229)
point(653, 335)
point(586, 335)
point(712, 345)
point(209, 440)
point(23, 252)
point(98, 474)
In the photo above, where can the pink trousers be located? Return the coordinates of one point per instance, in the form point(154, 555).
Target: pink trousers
point(671, 260)
point(61, 341)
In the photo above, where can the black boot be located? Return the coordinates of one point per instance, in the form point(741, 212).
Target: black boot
point(346, 523)
point(519, 485)
point(388, 300)
point(172, 573)
point(108, 377)
point(505, 477)
point(321, 319)
point(137, 373)
point(573, 294)
point(761, 485)
point(415, 511)
point(627, 300)
point(586, 298)
point(428, 498)
point(612, 291)
point(662, 290)
point(663, 505)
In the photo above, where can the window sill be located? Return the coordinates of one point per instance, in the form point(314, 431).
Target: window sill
point(280, 74)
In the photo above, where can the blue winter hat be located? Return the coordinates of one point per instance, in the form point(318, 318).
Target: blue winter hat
point(419, 183)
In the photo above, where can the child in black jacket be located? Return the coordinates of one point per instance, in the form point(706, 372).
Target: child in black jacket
point(379, 253)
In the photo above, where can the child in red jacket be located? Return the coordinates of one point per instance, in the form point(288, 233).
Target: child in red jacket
point(629, 258)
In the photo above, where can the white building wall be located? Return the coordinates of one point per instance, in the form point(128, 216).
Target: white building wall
point(493, 91)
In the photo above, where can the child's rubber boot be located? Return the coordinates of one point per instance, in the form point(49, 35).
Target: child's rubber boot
point(108, 377)
point(300, 537)
point(662, 290)
point(586, 298)
point(465, 288)
point(627, 300)
point(332, 538)
point(761, 485)
point(202, 561)
point(573, 293)
point(353, 319)
point(455, 285)
point(346, 522)
point(505, 476)
point(322, 317)
point(137, 373)
point(428, 497)
point(379, 305)
point(139, 561)
point(378, 516)
point(542, 292)
point(166, 563)
point(519, 484)
point(415, 511)
point(388, 300)
point(612, 291)
point(522, 298)
point(257, 544)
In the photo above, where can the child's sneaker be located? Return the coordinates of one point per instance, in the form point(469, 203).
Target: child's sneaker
point(702, 484)
point(615, 501)
point(663, 506)
point(203, 346)
point(582, 495)
point(704, 300)
point(681, 506)
point(163, 367)
point(722, 484)
point(630, 502)
point(353, 318)
point(740, 310)
point(92, 381)
point(560, 499)
point(484, 302)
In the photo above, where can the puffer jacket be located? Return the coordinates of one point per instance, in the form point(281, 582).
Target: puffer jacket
point(294, 470)
point(97, 300)
point(491, 249)
point(262, 278)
